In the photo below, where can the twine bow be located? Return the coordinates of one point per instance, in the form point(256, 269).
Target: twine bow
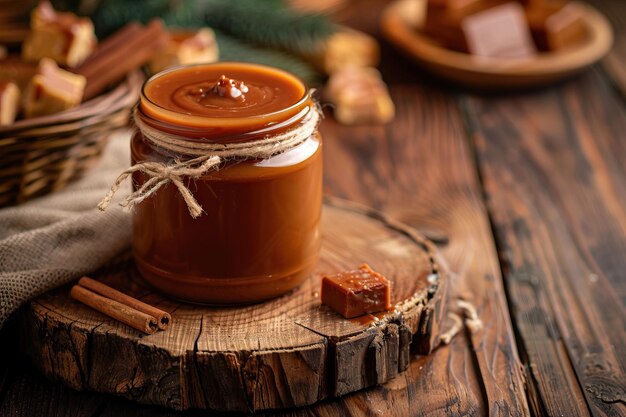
point(208, 157)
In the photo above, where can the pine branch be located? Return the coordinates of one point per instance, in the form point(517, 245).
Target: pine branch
point(232, 49)
point(262, 31)
point(267, 23)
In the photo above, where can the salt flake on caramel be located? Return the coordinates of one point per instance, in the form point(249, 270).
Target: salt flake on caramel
point(227, 87)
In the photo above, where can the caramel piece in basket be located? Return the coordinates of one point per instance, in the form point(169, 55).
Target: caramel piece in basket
point(52, 90)
point(186, 48)
point(15, 70)
point(63, 37)
point(356, 292)
point(9, 102)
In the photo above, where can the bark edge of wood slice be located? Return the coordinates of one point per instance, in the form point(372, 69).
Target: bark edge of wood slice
point(287, 352)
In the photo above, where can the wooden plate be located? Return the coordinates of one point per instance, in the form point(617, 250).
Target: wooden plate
point(286, 352)
point(401, 20)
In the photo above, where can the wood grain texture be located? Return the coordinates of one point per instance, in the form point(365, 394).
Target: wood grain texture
point(419, 170)
point(553, 168)
point(286, 352)
point(615, 63)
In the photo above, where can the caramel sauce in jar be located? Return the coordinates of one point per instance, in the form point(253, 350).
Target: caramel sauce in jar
point(259, 234)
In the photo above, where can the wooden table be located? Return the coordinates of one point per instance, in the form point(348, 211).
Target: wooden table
point(526, 195)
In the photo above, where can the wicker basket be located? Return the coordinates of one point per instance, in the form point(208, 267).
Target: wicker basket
point(43, 154)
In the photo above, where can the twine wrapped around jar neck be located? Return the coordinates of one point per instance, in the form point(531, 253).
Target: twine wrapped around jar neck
point(207, 157)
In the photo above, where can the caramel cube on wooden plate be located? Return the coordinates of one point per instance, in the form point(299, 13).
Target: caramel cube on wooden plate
point(356, 292)
point(9, 102)
point(499, 32)
point(359, 95)
point(444, 19)
point(186, 47)
point(52, 90)
point(488, 28)
point(63, 37)
point(556, 26)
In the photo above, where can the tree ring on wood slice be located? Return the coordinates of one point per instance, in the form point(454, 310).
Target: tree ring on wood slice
point(286, 352)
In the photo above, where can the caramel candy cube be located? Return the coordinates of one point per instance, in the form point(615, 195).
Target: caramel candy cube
point(359, 95)
point(556, 26)
point(15, 70)
point(9, 102)
point(444, 20)
point(356, 292)
point(187, 48)
point(488, 28)
point(499, 32)
point(346, 48)
point(52, 90)
point(63, 37)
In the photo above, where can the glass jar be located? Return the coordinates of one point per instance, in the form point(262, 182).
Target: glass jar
point(259, 235)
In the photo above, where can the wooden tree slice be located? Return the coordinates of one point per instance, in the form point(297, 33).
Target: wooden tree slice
point(287, 352)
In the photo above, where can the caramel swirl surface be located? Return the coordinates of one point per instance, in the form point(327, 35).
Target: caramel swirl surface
point(227, 90)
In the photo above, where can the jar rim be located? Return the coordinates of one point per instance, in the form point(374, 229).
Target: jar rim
point(192, 121)
point(218, 135)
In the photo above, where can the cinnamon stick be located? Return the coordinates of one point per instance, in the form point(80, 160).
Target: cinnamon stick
point(163, 317)
point(127, 52)
point(109, 44)
point(120, 312)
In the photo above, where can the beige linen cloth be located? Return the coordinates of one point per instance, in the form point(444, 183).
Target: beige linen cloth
point(55, 239)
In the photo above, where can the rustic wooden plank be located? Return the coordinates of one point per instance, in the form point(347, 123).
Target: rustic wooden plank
point(419, 170)
point(615, 63)
point(553, 168)
point(7, 362)
point(25, 392)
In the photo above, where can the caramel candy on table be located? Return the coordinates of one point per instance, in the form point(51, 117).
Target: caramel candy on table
point(356, 292)
point(187, 47)
point(52, 90)
point(346, 48)
point(9, 102)
point(556, 25)
point(64, 37)
point(359, 95)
